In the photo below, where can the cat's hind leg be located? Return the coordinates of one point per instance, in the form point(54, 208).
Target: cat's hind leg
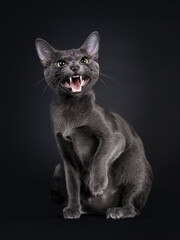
point(132, 203)
point(56, 194)
point(126, 209)
point(134, 174)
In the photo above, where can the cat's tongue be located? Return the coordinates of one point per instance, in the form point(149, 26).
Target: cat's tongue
point(75, 84)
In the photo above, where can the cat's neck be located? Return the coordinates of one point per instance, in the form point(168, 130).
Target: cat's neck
point(73, 100)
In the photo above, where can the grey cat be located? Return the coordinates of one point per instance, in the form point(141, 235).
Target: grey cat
point(106, 171)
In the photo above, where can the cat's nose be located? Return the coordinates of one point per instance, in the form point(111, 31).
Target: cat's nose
point(74, 68)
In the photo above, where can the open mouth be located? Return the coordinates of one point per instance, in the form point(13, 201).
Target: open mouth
point(75, 84)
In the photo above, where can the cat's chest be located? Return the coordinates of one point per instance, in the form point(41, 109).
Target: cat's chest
point(67, 119)
point(73, 126)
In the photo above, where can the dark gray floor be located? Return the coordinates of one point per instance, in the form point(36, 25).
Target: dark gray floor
point(89, 227)
point(44, 221)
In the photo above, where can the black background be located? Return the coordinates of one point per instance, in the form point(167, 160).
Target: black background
point(139, 49)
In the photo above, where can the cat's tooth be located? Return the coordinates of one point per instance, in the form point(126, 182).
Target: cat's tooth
point(70, 78)
point(66, 84)
point(81, 79)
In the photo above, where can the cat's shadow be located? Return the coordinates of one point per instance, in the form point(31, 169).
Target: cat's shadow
point(96, 216)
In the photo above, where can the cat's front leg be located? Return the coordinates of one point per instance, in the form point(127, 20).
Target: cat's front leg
point(98, 174)
point(73, 208)
point(110, 147)
point(98, 179)
point(72, 176)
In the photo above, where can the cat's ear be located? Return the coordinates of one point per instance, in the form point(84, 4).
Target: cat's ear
point(45, 51)
point(91, 45)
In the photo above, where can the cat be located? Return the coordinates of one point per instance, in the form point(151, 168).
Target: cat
point(106, 170)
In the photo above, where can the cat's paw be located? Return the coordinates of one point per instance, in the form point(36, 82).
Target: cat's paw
point(70, 213)
point(97, 185)
point(120, 212)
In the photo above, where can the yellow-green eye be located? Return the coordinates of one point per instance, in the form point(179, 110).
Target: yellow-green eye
point(61, 63)
point(84, 60)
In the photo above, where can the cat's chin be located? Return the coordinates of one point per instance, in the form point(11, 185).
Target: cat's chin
point(75, 84)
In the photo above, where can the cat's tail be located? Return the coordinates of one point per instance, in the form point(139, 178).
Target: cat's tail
point(56, 194)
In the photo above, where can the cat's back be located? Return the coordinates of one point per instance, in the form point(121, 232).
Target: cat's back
point(119, 124)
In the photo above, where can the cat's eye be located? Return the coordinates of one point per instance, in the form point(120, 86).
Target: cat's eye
point(61, 63)
point(84, 60)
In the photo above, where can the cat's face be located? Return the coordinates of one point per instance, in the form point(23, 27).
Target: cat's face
point(73, 71)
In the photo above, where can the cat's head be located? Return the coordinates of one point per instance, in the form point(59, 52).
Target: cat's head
point(73, 71)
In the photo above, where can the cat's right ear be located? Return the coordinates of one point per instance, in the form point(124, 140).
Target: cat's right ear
point(91, 45)
point(45, 51)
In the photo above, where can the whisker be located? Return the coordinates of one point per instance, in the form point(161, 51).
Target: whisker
point(104, 84)
point(48, 85)
point(105, 75)
point(42, 79)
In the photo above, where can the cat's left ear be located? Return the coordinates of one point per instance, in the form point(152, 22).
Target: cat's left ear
point(91, 45)
point(45, 52)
